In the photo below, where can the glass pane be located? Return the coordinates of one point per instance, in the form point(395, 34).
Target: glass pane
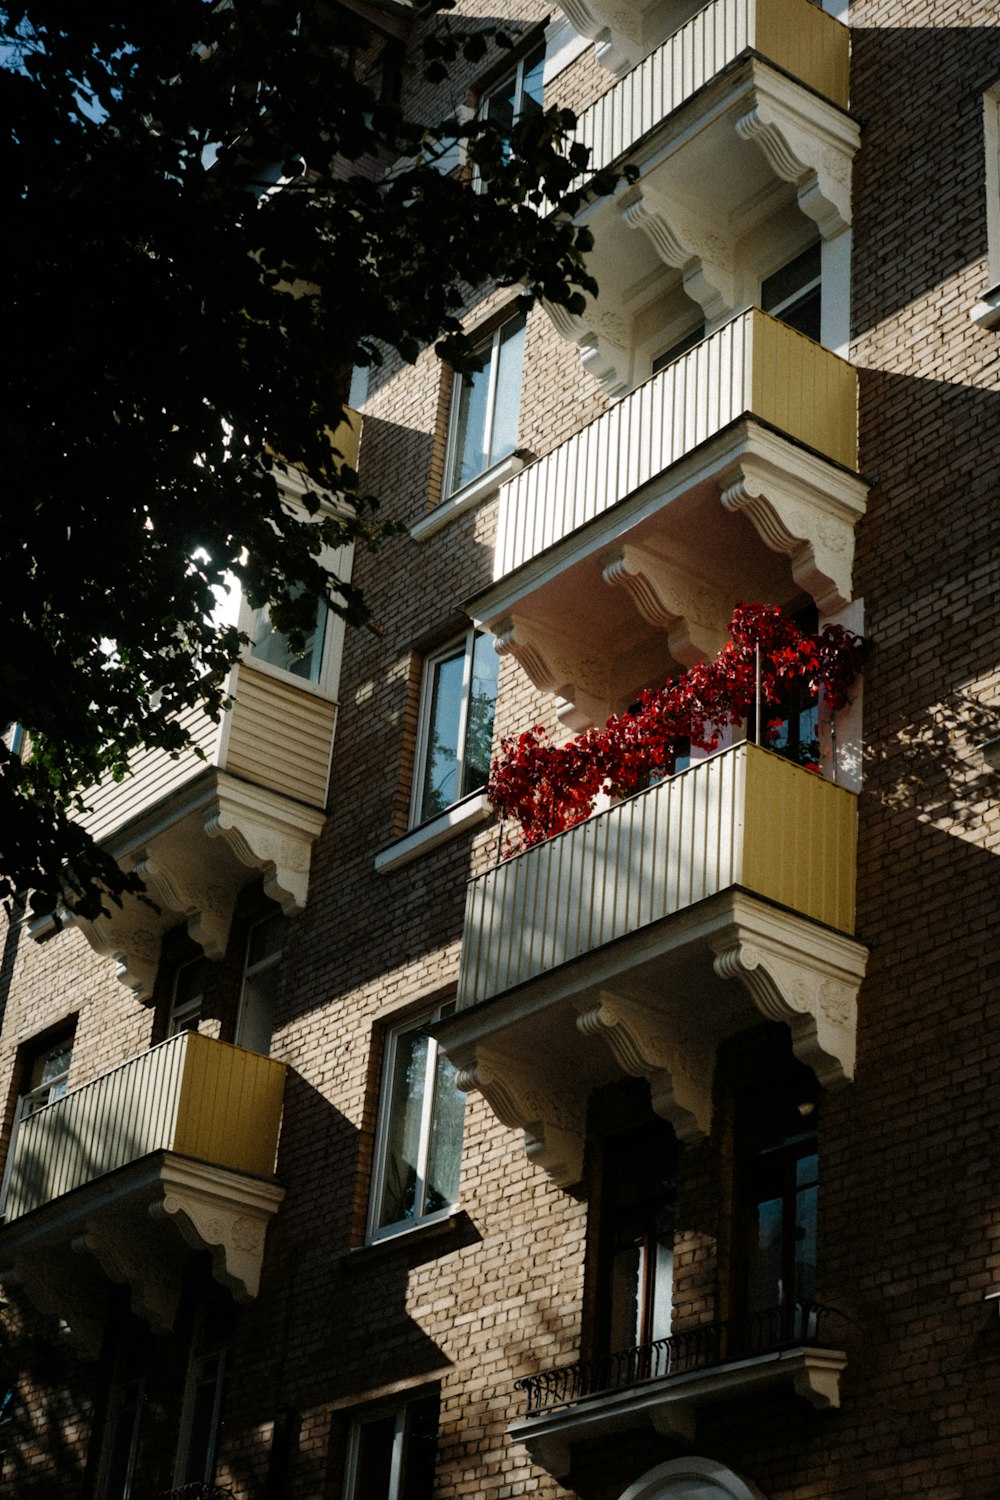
point(420, 1450)
point(765, 1257)
point(200, 1465)
point(272, 646)
point(507, 398)
point(790, 280)
point(805, 1228)
point(441, 769)
point(265, 940)
point(402, 1145)
point(626, 1308)
point(533, 73)
point(663, 1275)
point(374, 1466)
point(482, 703)
point(469, 450)
point(258, 1009)
point(444, 1156)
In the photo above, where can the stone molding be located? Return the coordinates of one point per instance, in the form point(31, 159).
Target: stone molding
point(553, 663)
point(670, 1406)
point(693, 615)
point(196, 854)
point(552, 1118)
point(812, 987)
point(645, 1044)
point(699, 252)
point(806, 142)
point(223, 1212)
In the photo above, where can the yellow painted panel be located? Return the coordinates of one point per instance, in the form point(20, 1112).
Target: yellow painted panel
point(281, 737)
point(800, 840)
point(807, 43)
point(229, 1111)
point(804, 390)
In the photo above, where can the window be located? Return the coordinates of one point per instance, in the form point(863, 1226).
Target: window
point(484, 408)
point(986, 313)
point(679, 347)
point(455, 735)
point(791, 726)
point(636, 1242)
point(272, 646)
point(188, 999)
point(518, 93)
point(259, 993)
point(793, 294)
point(49, 1076)
point(419, 1146)
point(392, 1453)
point(777, 1118)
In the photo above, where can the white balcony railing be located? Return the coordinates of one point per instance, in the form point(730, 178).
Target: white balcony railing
point(742, 818)
point(191, 1095)
point(754, 366)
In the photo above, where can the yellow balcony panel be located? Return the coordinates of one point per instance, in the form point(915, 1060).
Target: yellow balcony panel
point(730, 475)
point(184, 1135)
point(613, 947)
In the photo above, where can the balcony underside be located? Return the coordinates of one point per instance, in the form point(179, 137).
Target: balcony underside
point(646, 587)
point(196, 850)
point(137, 1226)
point(656, 1004)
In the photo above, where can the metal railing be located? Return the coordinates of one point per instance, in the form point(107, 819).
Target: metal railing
point(705, 1348)
point(196, 1491)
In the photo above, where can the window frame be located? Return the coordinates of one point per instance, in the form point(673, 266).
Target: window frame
point(637, 1217)
point(376, 1231)
point(401, 1412)
point(489, 347)
point(250, 970)
point(418, 818)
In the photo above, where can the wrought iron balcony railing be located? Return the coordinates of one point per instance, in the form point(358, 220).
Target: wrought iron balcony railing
point(699, 1349)
point(196, 1491)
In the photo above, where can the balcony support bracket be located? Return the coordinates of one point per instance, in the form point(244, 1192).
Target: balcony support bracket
point(267, 834)
point(804, 510)
point(603, 340)
point(812, 987)
point(814, 152)
point(212, 1211)
point(700, 253)
point(693, 615)
point(554, 665)
point(130, 1256)
point(644, 1045)
point(551, 1117)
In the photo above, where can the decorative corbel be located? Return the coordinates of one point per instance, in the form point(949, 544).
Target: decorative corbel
point(130, 935)
point(812, 985)
point(813, 151)
point(812, 529)
point(49, 1282)
point(704, 259)
point(619, 47)
point(263, 838)
point(554, 665)
point(177, 882)
point(693, 615)
point(552, 1117)
point(645, 1044)
point(131, 1258)
point(602, 340)
point(223, 1212)
point(817, 1379)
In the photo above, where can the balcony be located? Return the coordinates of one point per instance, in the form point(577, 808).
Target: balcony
point(184, 1135)
point(612, 949)
point(738, 127)
point(246, 801)
point(729, 475)
point(665, 1383)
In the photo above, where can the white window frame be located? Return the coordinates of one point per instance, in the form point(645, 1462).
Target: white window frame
point(399, 1411)
point(987, 312)
point(492, 346)
point(218, 1353)
point(252, 970)
point(424, 724)
point(401, 1226)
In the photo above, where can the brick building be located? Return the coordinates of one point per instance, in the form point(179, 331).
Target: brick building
point(656, 1162)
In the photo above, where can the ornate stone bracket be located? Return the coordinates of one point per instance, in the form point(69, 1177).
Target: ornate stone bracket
point(702, 255)
point(813, 151)
point(552, 1118)
point(812, 986)
point(817, 1378)
point(222, 1212)
point(267, 834)
point(620, 29)
point(603, 341)
point(812, 525)
point(554, 665)
point(645, 1044)
point(693, 615)
point(132, 1258)
point(44, 1280)
point(131, 936)
point(177, 882)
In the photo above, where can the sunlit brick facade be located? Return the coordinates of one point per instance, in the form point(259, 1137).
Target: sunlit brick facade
point(658, 1162)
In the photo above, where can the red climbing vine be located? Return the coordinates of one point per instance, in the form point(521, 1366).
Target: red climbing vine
point(546, 788)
